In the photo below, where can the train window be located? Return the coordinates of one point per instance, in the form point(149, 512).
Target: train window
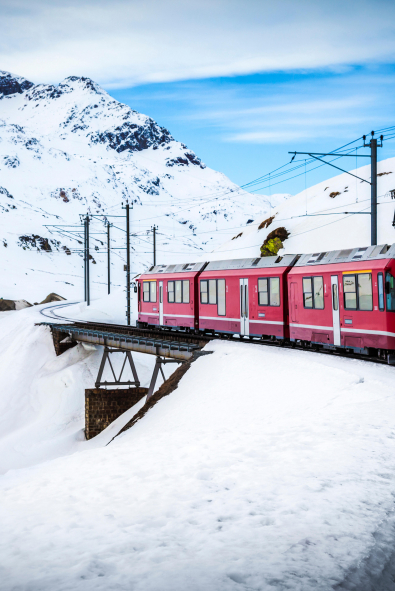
point(203, 292)
point(313, 292)
point(269, 291)
point(335, 297)
point(274, 291)
point(212, 291)
point(146, 291)
point(390, 291)
point(307, 292)
point(380, 289)
point(358, 293)
point(365, 295)
point(178, 292)
point(152, 291)
point(318, 284)
point(221, 298)
point(185, 292)
point(350, 292)
point(170, 292)
point(263, 292)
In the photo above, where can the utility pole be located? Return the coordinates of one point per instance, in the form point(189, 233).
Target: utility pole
point(88, 294)
point(373, 145)
point(87, 297)
point(127, 207)
point(154, 228)
point(108, 257)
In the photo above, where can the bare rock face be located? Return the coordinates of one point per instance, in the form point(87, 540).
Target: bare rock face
point(53, 297)
point(10, 84)
point(9, 305)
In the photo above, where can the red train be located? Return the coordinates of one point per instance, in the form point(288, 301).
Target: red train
point(337, 299)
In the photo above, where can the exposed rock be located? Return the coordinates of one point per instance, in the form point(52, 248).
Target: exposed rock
point(53, 297)
point(8, 305)
point(274, 242)
point(10, 84)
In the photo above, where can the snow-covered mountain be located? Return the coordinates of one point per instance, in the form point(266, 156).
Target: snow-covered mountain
point(70, 149)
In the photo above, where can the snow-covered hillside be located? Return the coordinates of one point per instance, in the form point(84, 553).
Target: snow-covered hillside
point(316, 220)
point(70, 149)
point(267, 469)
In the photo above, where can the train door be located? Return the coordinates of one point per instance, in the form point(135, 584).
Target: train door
point(161, 303)
point(335, 310)
point(244, 308)
point(294, 304)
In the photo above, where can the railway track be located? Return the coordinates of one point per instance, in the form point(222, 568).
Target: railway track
point(200, 339)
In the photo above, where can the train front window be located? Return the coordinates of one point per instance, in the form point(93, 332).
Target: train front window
point(390, 291)
point(350, 292)
point(365, 295)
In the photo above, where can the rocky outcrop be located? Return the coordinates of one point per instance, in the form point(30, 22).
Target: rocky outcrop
point(10, 84)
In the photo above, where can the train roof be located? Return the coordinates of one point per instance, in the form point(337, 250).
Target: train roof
point(254, 263)
point(182, 268)
point(350, 255)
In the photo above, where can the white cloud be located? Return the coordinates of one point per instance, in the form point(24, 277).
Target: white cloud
point(125, 42)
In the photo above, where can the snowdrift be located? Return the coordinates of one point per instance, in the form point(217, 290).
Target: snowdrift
point(265, 469)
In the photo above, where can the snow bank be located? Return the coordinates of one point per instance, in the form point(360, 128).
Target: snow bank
point(266, 469)
point(42, 397)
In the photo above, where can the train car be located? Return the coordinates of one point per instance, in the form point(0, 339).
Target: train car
point(245, 296)
point(344, 298)
point(167, 296)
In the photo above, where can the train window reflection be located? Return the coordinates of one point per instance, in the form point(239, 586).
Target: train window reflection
point(263, 293)
point(152, 291)
point(146, 291)
point(318, 292)
point(307, 292)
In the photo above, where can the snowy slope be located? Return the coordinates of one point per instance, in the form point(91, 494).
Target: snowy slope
point(266, 469)
point(71, 148)
point(325, 227)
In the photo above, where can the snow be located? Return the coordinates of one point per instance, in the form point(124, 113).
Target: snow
point(323, 229)
point(76, 138)
point(237, 480)
point(42, 396)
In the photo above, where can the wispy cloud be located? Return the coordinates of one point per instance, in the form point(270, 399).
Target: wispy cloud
point(121, 43)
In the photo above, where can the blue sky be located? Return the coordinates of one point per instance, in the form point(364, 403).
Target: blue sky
point(241, 82)
point(245, 125)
